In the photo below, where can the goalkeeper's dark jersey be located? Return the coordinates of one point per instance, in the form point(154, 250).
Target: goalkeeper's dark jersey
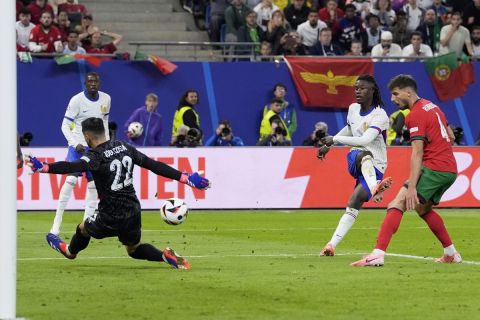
point(111, 164)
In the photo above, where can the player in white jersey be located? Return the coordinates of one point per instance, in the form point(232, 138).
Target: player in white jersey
point(365, 132)
point(86, 104)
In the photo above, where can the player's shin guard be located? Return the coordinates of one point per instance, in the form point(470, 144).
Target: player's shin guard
point(436, 224)
point(78, 242)
point(344, 225)
point(91, 200)
point(65, 194)
point(389, 227)
point(146, 251)
point(368, 172)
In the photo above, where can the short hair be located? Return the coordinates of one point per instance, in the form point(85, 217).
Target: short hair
point(456, 13)
point(153, 96)
point(47, 12)
point(94, 126)
point(313, 10)
point(326, 29)
point(93, 74)
point(416, 33)
point(356, 41)
point(276, 100)
point(279, 84)
point(25, 11)
point(402, 81)
point(374, 16)
point(72, 31)
point(226, 123)
point(475, 27)
point(351, 6)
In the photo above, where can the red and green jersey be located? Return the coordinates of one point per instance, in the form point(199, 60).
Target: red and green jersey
point(428, 123)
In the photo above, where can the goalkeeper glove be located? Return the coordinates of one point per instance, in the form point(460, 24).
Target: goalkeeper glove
point(194, 180)
point(35, 164)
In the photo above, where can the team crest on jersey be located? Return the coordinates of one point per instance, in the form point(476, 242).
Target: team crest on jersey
point(365, 126)
point(103, 108)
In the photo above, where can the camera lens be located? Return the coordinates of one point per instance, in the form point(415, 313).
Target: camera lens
point(193, 133)
point(319, 134)
point(226, 131)
point(279, 130)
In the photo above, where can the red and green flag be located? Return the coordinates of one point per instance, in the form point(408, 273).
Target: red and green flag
point(69, 58)
point(163, 65)
point(450, 77)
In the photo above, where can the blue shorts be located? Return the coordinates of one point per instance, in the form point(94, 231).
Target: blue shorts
point(74, 155)
point(357, 174)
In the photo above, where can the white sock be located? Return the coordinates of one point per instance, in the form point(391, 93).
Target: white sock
point(368, 172)
point(450, 250)
point(91, 200)
point(345, 223)
point(376, 252)
point(65, 194)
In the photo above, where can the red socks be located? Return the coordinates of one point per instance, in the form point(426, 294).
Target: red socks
point(435, 223)
point(389, 227)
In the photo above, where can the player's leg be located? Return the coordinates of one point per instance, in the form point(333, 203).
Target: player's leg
point(91, 200)
point(65, 194)
point(373, 179)
point(346, 222)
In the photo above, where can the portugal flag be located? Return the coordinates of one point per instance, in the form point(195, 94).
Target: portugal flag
point(450, 79)
point(327, 82)
point(163, 65)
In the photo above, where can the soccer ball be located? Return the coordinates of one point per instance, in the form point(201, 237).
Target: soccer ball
point(135, 129)
point(174, 211)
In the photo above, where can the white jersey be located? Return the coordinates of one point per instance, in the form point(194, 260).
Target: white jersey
point(377, 119)
point(80, 108)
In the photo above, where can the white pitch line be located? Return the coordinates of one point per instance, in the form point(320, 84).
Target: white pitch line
point(273, 255)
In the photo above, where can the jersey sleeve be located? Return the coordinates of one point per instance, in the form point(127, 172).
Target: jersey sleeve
point(157, 167)
point(106, 114)
point(68, 119)
point(380, 122)
point(92, 159)
point(417, 126)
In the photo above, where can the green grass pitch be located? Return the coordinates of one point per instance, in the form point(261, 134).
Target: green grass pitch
point(252, 265)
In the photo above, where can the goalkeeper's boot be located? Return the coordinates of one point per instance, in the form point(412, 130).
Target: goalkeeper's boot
point(328, 251)
point(455, 258)
point(58, 244)
point(380, 188)
point(176, 261)
point(371, 260)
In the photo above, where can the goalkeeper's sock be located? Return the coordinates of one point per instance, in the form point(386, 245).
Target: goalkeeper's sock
point(146, 251)
point(389, 227)
point(78, 242)
point(436, 224)
point(368, 172)
point(65, 194)
point(91, 200)
point(346, 222)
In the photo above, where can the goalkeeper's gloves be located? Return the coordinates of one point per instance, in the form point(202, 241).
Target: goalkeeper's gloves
point(35, 164)
point(194, 180)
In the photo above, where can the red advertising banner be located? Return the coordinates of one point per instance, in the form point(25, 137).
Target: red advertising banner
point(328, 82)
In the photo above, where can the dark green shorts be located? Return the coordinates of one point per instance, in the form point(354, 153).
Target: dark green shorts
point(433, 184)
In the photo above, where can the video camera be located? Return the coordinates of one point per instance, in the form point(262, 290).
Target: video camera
point(25, 139)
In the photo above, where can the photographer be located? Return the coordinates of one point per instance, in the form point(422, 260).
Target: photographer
point(273, 114)
point(277, 136)
point(187, 115)
point(320, 131)
point(224, 136)
point(26, 139)
point(186, 137)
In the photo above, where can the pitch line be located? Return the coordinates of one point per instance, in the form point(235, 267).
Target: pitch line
point(273, 255)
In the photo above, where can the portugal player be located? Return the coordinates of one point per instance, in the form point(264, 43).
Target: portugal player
point(432, 171)
point(367, 124)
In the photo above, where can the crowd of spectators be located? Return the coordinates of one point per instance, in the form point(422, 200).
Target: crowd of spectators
point(60, 27)
point(380, 28)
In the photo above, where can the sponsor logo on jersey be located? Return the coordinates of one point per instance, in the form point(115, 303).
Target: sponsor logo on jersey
point(414, 129)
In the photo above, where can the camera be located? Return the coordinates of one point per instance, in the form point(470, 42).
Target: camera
point(25, 139)
point(226, 131)
point(319, 134)
point(193, 134)
point(281, 131)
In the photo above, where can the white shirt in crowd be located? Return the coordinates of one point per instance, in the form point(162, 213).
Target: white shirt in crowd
point(425, 51)
point(310, 34)
point(476, 49)
point(23, 33)
point(395, 51)
point(414, 17)
point(79, 49)
point(457, 41)
point(264, 14)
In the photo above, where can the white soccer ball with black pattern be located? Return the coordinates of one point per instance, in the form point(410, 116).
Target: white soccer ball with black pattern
point(174, 211)
point(135, 129)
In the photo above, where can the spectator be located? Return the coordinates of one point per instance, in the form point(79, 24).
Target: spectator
point(19, 6)
point(373, 33)
point(224, 136)
point(441, 11)
point(23, 28)
point(386, 47)
point(287, 113)
point(273, 114)
point(74, 11)
point(414, 15)
point(320, 131)
point(186, 114)
point(350, 28)
point(424, 4)
point(277, 28)
point(45, 37)
point(362, 7)
point(185, 137)
point(397, 5)
point(86, 29)
point(471, 15)
point(72, 46)
point(458, 134)
point(63, 25)
point(217, 18)
point(97, 46)
point(454, 36)
point(250, 32)
point(264, 12)
point(310, 29)
point(291, 44)
point(37, 8)
point(459, 5)
point(266, 51)
point(278, 136)
point(151, 121)
point(416, 48)
point(430, 29)
point(398, 131)
point(401, 35)
point(476, 40)
point(325, 46)
point(235, 18)
point(383, 9)
point(356, 48)
point(281, 4)
point(296, 13)
point(331, 14)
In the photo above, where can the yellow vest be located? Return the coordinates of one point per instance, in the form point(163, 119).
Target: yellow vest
point(266, 126)
point(281, 4)
point(178, 118)
point(392, 134)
